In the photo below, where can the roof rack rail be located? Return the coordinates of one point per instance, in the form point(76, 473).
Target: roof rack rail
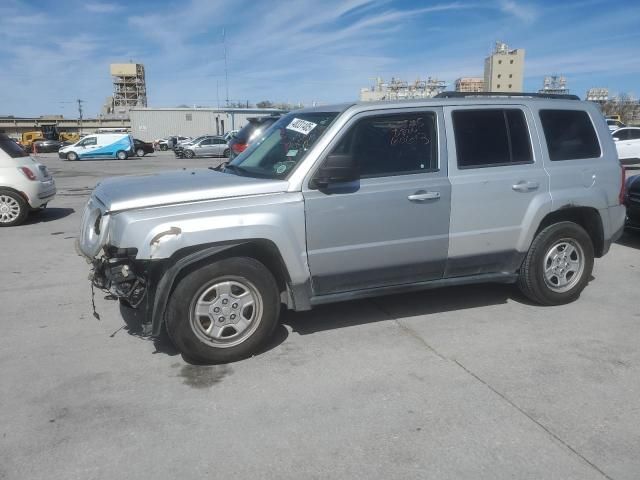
point(558, 96)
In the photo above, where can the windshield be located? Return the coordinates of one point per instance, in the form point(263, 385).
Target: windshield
point(278, 150)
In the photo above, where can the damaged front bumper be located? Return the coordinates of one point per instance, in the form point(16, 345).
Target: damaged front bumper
point(119, 274)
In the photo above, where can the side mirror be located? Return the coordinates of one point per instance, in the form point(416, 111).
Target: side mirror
point(616, 139)
point(336, 168)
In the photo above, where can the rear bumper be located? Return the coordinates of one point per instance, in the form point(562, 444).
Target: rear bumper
point(41, 193)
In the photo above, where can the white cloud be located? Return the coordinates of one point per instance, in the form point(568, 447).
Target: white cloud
point(102, 7)
point(526, 13)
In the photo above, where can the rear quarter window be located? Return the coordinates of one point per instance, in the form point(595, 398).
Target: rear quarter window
point(569, 134)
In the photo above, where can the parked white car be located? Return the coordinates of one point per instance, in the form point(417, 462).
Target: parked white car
point(614, 124)
point(25, 185)
point(627, 141)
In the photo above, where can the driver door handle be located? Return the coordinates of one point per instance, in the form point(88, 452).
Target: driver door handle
point(525, 186)
point(421, 196)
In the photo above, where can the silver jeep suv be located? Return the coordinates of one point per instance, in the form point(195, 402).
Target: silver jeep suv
point(351, 201)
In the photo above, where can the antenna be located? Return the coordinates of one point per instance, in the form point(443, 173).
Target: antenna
point(226, 73)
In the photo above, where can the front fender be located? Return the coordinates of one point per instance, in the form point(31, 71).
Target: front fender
point(163, 277)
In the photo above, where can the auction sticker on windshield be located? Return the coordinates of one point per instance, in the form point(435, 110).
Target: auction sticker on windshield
point(301, 126)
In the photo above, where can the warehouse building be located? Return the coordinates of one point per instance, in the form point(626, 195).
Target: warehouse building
point(149, 124)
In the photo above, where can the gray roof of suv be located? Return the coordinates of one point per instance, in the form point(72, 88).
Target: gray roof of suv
point(444, 101)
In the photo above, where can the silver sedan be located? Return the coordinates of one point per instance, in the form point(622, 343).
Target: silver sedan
point(207, 147)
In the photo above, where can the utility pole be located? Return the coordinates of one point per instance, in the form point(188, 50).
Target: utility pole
point(80, 102)
point(226, 73)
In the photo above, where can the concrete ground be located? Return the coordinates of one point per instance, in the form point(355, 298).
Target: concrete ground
point(470, 382)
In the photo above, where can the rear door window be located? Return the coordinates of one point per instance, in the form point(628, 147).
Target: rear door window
point(491, 138)
point(570, 135)
point(11, 148)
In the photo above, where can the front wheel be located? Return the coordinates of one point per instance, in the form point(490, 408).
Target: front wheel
point(121, 155)
point(140, 152)
point(189, 154)
point(163, 147)
point(558, 265)
point(226, 153)
point(224, 311)
point(72, 156)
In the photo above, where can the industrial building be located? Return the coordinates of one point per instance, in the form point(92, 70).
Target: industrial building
point(149, 124)
point(556, 84)
point(504, 69)
point(469, 84)
point(598, 94)
point(16, 126)
point(129, 85)
point(398, 89)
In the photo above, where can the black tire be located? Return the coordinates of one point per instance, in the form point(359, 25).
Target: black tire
point(122, 155)
point(532, 280)
point(188, 154)
point(163, 147)
point(72, 156)
point(226, 153)
point(13, 201)
point(140, 152)
point(183, 326)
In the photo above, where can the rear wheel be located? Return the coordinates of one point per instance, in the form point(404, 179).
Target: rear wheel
point(13, 208)
point(224, 311)
point(226, 153)
point(121, 155)
point(72, 156)
point(558, 265)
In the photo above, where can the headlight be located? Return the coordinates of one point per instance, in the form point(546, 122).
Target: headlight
point(94, 229)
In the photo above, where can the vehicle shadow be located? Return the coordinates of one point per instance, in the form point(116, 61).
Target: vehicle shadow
point(630, 239)
point(133, 318)
point(48, 215)
point(427, 302)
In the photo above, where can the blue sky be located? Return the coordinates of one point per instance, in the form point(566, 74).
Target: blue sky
point(53, 52)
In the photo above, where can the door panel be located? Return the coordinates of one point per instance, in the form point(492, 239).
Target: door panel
point(369, 233)
point(491, 206)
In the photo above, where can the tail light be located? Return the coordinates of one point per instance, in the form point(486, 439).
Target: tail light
point(28, 173)
point(239, 147)
point(622, 185)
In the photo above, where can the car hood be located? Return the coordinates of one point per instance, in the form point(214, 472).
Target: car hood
point(169, 188)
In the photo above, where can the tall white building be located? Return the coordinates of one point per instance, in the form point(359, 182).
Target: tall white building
point(504, 69)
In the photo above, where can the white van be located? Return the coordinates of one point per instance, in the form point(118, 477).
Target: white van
point(99, 145)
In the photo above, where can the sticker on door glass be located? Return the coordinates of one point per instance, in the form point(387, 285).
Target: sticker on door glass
point(301, 126)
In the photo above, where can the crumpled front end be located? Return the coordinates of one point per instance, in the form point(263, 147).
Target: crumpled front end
point(114, 270)
point(118, 273)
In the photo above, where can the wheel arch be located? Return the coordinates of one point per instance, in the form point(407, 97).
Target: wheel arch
point(22, 194)
point(189, 259)
point(587, 217)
